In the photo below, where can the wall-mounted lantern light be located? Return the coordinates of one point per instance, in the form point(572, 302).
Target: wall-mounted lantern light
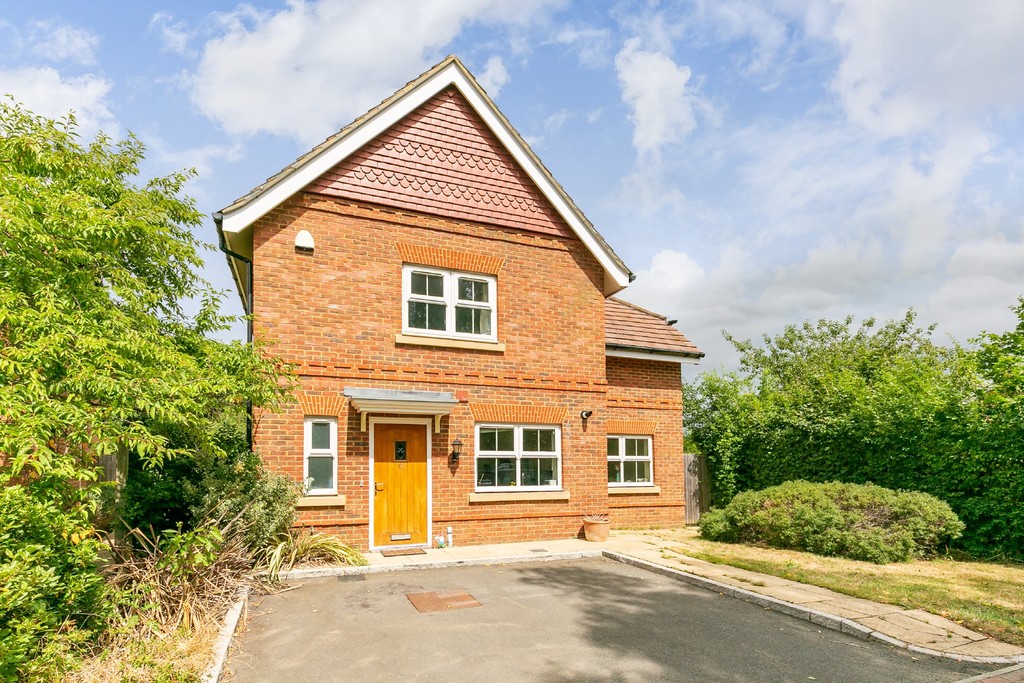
point(456, 449)
point(586, 415)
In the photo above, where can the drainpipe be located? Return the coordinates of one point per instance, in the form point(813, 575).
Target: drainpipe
point(218, 217)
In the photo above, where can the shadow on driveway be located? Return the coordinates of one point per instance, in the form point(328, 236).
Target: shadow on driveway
point(584, 620)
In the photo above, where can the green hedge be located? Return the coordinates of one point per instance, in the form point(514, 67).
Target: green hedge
point(860, 522)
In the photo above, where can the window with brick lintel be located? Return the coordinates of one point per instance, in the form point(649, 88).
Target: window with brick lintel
point(449, 303)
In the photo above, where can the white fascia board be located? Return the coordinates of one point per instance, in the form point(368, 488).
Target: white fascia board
point(652, 355)
point(328, 158)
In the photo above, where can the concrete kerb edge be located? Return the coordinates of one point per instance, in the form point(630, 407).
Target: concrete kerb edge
point(829, 621)
point(320, 572)
point(991, 674)
point(224, 638)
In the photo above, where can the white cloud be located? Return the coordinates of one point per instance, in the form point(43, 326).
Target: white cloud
point(494, 76)
point(655, 88)
point(174, 35)
point(62, 42)
point(909, 65)
point(985, 279)
point(591, 45)
point(305, 70)
point(45, 92)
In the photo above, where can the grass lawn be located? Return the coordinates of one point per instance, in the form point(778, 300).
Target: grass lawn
point(983, 596)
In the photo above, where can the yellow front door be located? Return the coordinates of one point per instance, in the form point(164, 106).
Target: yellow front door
point(400, 484)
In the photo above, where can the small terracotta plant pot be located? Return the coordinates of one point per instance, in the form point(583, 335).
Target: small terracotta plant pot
point(595, 527)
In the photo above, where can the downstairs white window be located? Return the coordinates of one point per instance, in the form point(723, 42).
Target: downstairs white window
point(320, 461)
point(518, 458)
point(629, 461)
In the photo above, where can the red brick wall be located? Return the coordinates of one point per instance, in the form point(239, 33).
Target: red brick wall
point(335, 314)
point(650, 392)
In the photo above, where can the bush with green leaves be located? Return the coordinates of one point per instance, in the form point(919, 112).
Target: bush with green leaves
point(226, 481)
point(52, 599)
point(830, 401)
point(860, 522)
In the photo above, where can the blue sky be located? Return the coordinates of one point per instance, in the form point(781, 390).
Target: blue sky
point(755, 163)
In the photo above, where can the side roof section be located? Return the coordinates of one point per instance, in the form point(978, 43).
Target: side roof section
point(634, 332)
point(235, 221)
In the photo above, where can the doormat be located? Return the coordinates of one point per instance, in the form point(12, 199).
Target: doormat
point(398, 552)
point(440, 602)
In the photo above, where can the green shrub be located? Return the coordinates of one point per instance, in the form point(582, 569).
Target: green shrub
point(861, 522)
point(52, 597)
point(240, 486)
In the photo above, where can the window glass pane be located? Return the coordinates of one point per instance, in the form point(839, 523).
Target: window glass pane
point(321, 436)
point(529, 472)
point(464, 320)
point(547, 440)
point(482, 321)
point(548, 471)
point(435, 285)
point(488, 439)
point(418, 315)
point(506, 439)
point(530, 440)
point(435, 316)
point(419, 283)
point(321, 471)
point(506, 471)
point(614, 471)
point(472, 290)
point(613, 446)
point(643, 471)
point(485, 469)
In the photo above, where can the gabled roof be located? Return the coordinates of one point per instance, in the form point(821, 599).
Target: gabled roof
point(635, 332)
point(234, 222)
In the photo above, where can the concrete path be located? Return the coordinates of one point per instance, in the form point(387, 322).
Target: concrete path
point(915, 630)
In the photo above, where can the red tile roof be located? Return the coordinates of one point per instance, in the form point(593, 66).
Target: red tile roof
point(629, 327)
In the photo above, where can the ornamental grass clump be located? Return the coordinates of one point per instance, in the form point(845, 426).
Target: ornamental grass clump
point(860, 522)
point(306, 547)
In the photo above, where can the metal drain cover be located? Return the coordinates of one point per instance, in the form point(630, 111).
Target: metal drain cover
point(442, 601)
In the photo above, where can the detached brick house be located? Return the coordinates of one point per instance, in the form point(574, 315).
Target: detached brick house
point(439, 293)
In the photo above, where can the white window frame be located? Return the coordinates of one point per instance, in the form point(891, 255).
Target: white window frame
point(622, 458)
point(518, 455)
point(451, 301)
point(309, 451)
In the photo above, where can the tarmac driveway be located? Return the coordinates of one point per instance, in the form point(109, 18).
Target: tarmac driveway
point(579, 620)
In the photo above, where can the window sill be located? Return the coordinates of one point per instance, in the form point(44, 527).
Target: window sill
point(416, 340)
point(512, 496)
point(321, 502)
point(628, 490)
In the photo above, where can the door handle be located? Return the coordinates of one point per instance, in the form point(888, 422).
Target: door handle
point(378, 485)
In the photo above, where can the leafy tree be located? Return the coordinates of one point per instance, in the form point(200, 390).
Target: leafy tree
point(97, 349)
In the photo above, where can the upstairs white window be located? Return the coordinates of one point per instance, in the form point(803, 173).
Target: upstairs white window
point(447, 303)
point(320, 464)
point(629, 461)
point(526, 457)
